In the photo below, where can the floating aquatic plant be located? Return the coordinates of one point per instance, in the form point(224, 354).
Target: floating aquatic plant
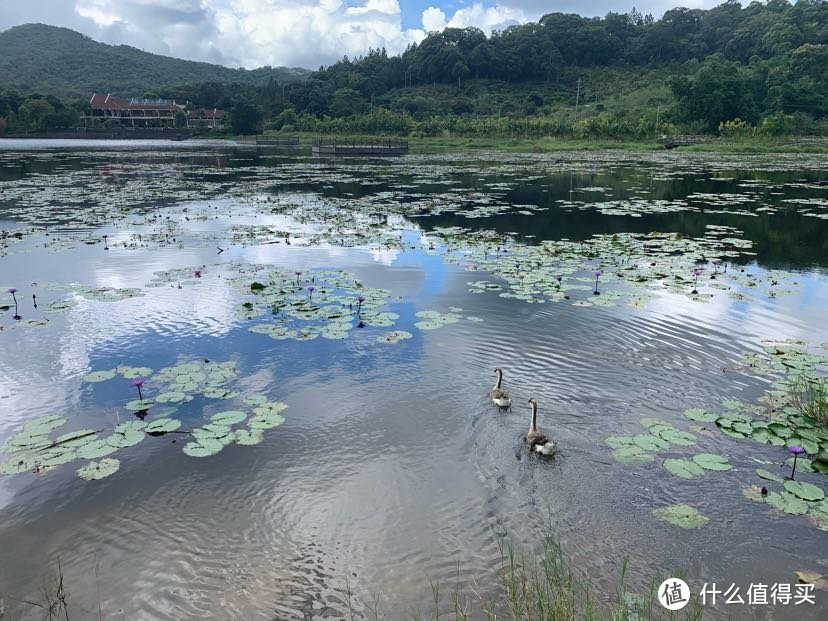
point(696, 273)
point(95, 470)
point(14, 297)
point(597, 274)
point(796, 451)
point(682, 515)
point(138, 382)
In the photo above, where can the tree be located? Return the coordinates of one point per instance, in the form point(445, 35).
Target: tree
point(245, 117)
point(34, 114)
point(459, 71)
point(347, 102)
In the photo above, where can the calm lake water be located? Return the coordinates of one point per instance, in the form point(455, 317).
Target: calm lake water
point(392, 467)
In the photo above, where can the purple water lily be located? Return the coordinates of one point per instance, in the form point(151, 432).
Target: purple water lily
point(360, 299)
point(795, 450)
point(597, 274)
point(310, 291)
point(298, 274)
point(696, 273)
point(138, 383)
point(13, 290)
point(716, 263)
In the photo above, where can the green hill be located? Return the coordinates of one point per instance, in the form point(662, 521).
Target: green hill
point(65, 63)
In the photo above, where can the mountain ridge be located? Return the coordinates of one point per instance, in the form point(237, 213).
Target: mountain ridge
point(67, 63)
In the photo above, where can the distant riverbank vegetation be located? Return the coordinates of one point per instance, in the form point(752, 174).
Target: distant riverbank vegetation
point(759, 70)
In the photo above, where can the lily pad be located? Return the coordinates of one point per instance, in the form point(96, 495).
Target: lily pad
point(700, 415)
point(682, 515)
point(16, 465)
point(163, 425)
point(99, 376)
point(44, 424)
point(265, 421)
point(133, 372)
point(394, 337)
point(787, 502)
point(650, 442)
point(139, 404)
point(95, 449)
point(683, 468)
point(754, 492)
point(249, 437)
point(632, 454)
point(676, 436)
point(709, 461)
point(804, 490)
point(173, 396)
point(99, 469)
point(230, 417)
point(617, 442)
point(199, 449)
point(764, 474)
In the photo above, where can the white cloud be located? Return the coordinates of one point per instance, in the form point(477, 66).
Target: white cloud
point(487, 19)
point(434, 19)
point(307, 33)
point(310, 32)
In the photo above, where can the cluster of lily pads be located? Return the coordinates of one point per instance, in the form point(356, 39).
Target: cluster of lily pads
point(100, 294)
point(304, 305)
point(660, 436)
point(127, 191)
point(779, 419)
point(34, 449)
point(605, 270)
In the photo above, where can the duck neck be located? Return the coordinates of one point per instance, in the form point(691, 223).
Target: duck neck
point(534, 425)
point(499, 379)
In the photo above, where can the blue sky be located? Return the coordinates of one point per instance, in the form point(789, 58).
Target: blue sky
point(304, 33)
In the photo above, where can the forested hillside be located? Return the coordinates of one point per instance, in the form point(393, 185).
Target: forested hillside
point(65, 63)
point(764, 63)
point(755, 69)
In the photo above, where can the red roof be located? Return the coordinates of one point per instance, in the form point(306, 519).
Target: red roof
point(108, 102)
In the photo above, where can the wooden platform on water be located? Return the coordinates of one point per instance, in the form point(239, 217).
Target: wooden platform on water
point(287, 142)
point(370, 148)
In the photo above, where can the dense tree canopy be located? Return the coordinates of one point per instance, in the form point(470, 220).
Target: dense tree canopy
point(763, 64)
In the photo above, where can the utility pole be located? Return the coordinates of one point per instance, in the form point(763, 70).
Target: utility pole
point(577, 98)
point(658, 110)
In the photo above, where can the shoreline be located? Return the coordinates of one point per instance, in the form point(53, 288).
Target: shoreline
point(430, 144)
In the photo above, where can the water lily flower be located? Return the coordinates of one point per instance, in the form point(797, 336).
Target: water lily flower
point(138, 383)
point(13, 290)
point(795, 450)
point(310, 291)
point(298, 274)
point(696, 273)
point(597, 274)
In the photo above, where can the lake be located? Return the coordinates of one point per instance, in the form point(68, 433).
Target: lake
point(317, 340)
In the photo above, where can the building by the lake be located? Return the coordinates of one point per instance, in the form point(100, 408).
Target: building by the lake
point(113, 111)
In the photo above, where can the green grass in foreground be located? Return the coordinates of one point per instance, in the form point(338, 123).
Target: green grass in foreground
point(533, 587)
point(541, 587)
